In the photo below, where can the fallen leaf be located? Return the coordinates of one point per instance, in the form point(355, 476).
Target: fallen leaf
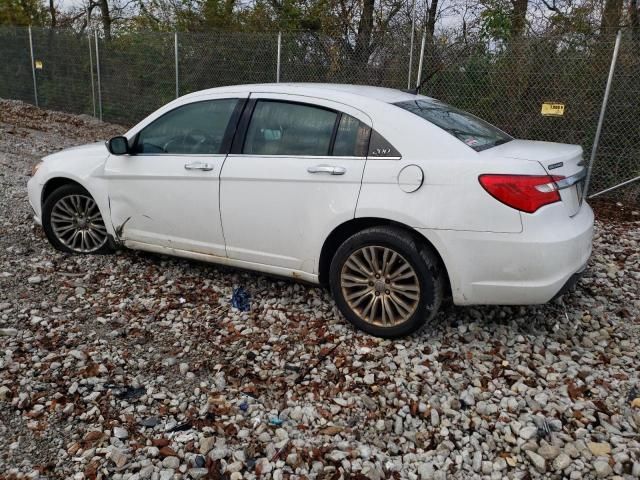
point(331, 430)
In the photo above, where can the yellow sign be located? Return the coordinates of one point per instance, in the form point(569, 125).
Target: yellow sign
point(552, 109)
point(38, 64)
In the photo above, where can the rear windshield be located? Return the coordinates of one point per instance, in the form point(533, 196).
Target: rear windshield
point(467, 128)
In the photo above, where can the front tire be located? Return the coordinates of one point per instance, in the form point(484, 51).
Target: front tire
point(73, 223)
point(385, 282)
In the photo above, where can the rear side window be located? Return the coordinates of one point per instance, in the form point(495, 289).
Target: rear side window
point(473, 131)
point(284, 128)
point(195, 128)
point(380, 147)
point(352, 137)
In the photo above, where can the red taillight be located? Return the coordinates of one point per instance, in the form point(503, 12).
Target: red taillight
point(526, 193)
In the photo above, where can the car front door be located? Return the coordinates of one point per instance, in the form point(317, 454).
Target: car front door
point(166, 193)
point(294, 172)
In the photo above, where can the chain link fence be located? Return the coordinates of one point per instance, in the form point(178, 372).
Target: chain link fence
point(126, 78)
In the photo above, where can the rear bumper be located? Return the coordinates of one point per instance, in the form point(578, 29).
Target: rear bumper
point(570, 284)
point(531, 267)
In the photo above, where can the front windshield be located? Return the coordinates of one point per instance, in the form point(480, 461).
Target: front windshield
point(467, 128)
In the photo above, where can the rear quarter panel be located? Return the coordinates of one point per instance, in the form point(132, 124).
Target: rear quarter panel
point(450, 197)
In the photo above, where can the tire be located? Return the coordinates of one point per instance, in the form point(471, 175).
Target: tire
point(407, 292)
point(70, 209)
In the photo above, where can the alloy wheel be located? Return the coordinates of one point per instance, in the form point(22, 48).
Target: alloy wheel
point(380, 286)
point(77, 223)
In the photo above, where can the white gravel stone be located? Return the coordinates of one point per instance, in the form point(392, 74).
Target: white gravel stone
point(527, 433)
point(548, 452)
point(602, 468)
point(561, 462)
point(171, 463)
point(120, 433)
point(537, 461)
point(4, 392)
point(207, 444)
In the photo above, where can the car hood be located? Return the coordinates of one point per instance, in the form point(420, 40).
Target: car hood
point(76, 162)
point(89, 151)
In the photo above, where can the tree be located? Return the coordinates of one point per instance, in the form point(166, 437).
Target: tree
point(52, 14)
point(518, 17)
point(431, 19)
point(611, 16)
point(634, 20)
point(22, 12)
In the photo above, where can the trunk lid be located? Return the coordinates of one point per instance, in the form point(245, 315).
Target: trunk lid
point(557, 159)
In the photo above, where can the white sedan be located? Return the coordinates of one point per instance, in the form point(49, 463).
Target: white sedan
point(393, 200)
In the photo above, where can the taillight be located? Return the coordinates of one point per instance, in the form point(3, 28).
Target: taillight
point(526, 193)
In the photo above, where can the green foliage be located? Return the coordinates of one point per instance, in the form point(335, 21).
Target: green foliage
point(495, 20)
point(219, 14)
point(22, 12)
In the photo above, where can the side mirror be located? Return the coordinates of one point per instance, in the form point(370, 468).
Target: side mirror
point(118, 145)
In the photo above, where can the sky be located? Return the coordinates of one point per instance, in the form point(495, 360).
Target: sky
point(67, 4)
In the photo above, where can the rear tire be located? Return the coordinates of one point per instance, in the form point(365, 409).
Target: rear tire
point(73, 223)
point(385, 282)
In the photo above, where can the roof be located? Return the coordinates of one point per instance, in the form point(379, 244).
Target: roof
point(387, 95)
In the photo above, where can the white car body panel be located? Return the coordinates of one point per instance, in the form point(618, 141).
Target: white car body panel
point(170, 204)
point(83, 165)
point(267, 213)
point(309, 205)
point(529, 268)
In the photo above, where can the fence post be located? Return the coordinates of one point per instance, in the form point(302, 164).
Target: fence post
point(413, 29)
point(95, 32)
point(33, 67)
point(603, 109)
point(175, 52)
point(278, 60)
point(419, 79)
point(93, 87)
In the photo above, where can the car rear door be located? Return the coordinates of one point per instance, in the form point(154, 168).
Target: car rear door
point(294, 173)
point(167, 192)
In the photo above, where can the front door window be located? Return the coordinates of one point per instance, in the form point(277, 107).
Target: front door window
point(195, 128)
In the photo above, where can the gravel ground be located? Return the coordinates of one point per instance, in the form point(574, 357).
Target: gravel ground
point(136, 366)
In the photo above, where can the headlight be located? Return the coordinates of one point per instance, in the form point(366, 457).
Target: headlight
point(35, 168)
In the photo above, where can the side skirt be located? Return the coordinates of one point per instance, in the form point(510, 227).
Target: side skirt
point(229, 262)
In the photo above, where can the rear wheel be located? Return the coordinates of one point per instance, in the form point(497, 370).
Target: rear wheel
point(385, 282)
point(73, 223)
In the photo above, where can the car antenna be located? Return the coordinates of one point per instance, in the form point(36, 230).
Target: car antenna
point(416, 90)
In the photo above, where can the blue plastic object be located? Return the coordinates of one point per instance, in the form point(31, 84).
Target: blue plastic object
point(241, 299)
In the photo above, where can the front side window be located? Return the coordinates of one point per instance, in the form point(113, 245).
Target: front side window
point(473, 131)
point(283, 128)
point(196, 128)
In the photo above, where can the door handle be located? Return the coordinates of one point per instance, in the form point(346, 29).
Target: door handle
point(207, 167)
point(330, 169)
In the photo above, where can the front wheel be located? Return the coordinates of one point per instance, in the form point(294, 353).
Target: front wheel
point(385, 282)
point(73, 223)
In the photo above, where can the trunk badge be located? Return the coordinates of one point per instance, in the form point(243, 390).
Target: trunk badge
point(553, 166)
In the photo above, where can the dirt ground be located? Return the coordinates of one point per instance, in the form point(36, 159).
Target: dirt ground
point(135, 366)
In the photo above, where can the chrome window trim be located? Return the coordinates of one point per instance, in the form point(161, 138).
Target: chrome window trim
point(159, 154)
point(313, 157)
